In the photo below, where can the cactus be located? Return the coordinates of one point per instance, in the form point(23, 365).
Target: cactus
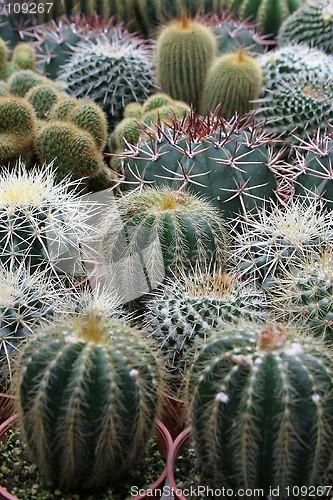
point(24, 57)
point(26, 301)
point(4, 92)
point(72, 150)
point(17, 122)
point(88, 393)
point(185, 49)
point(297, 106)
point(42, 97)
point(174, 229)
point(3, 59)
point(314, 178)
point(273, 240)
point(43, 224)
point(305, 295)
point(62, 108)
point(233, 81)
point(225, 162)
point(22, 81)
point(133, 110)
point(90, 117)
point(261, 406)
point(180, 319)
point(113, 71)
point(311, 24)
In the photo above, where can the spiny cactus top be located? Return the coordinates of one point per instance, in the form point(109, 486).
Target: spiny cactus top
point(181, 317)
point(89, 391)
point(162, 230)
point(43, 223)
point(227, 162)
point(25, 302)
point(305, 294)
point(274, 239)
point(261, 404)
point(112, 71)
point(311, 24)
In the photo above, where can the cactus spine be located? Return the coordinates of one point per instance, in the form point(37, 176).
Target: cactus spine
point(184, 53)
point(233, 80)
point(88, 395)
point(262, 408)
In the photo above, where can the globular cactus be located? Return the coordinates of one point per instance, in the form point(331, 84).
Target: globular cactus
point(314, 165)
point(305, 295)
point(91, 118)
point(62, 108)
point(4, 91)
point(268, 14)
point(185, 49)
point(89, 391)
point(23, 57)
point(261, 407)
point(42, 97)
point(298, 106)
point(3, 59)
point(17, 122)
point(133, 110)
point(273, 240)
point(44, 224)
point(233, 81)
point(113, 71)
point(187, 309)
point(26, 301)
point(162, 230)
point(22, 81)
point(72, 150)
point(225, 162)
point(312, 24)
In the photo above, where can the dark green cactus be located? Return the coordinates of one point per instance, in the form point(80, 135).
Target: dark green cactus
point(42, 97)
point(225, 162)
point(173, 229)
point(62, 108)
point(185, 49)
point(91, 118)
point(22, 81)
point(233, 81)
point(261, 405)
point(88, 394)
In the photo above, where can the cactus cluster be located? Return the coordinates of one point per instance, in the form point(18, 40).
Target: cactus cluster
point(261, 408)
point(181, 317)
point(23, 57)
point(312, 24)
point(88, 393)
point(113, 71)
point(227, 162)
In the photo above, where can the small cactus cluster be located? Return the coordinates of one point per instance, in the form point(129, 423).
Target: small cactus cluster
point(180, 319)
point(261, 408)
point(228, 163)
point(113, 71)
point(89, 390)
point(140, 117)
point(23, 57)
point(312, 24)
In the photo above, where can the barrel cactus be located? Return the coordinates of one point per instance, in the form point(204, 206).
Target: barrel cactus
point(261, 406)
point(162, 230)
point(185, 49)
point(113, 71)
point(312, 24)
point(26, 301)
point(88, 391)
point(181, 317)
point(274, 240)
point(305, 294)
point(225, 162)
point(43, 224)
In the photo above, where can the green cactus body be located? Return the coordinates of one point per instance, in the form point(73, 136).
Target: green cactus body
point(305, 295)
point(22, 81)
point(180, 319)
point(3, 59)
point(225, 163)
point(315, 178)
point(272, 240)
point(184, 53)
point(90, 117)
point(261, 408)
point(156, 101)
point(17, 122)
point(62, 108)
point(174, 229)
point(133, 110)
point(88, 395)
point(25, 302)
point(4, 92)
point(72, 150)
point(112, 72)
point(312, 24)
point(42, 97)
point(127, 131)
point(24, 57)
point(233, 81)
